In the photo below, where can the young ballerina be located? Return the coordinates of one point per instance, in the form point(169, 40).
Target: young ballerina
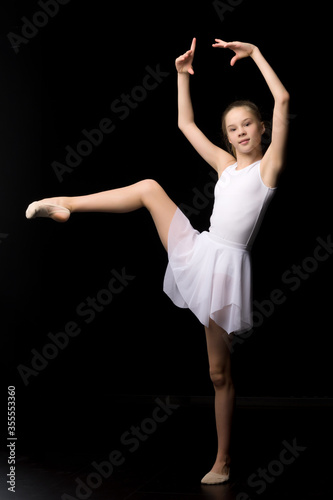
point(209, 272)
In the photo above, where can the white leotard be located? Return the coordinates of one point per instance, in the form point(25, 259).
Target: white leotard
point(241, 199)
point(210, 272)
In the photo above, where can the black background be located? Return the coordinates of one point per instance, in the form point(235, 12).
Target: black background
point(64, 80)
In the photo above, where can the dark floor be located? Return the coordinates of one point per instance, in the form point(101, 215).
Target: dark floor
point(280, 451)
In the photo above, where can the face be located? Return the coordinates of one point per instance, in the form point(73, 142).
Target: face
point(244, 130)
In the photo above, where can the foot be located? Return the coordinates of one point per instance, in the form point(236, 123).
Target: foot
point(57, 209)
point(218, 475)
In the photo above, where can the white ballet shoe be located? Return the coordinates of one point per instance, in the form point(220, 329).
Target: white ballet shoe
point(40, 209)
point(215, 478)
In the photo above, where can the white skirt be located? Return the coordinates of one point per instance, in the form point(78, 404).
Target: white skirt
point(209, 275)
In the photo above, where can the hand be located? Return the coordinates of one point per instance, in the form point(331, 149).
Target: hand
point(184, 62)
point(241, 49)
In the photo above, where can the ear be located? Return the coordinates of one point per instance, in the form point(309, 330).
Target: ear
point(263, 128)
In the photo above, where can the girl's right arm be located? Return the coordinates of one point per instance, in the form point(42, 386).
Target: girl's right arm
point(213, 155)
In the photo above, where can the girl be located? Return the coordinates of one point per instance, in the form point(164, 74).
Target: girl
point(209, 272)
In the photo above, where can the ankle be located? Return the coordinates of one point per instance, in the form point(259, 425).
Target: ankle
point(222, 463)
point(66, 202)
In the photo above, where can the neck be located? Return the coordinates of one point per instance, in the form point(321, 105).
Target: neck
point(244, 160)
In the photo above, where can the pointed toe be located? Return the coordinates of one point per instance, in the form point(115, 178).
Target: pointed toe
point(214, 478)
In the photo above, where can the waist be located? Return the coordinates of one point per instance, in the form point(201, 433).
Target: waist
point(227, 243)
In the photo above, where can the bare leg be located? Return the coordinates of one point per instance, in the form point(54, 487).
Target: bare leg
point(220, 373)
point(147, 193)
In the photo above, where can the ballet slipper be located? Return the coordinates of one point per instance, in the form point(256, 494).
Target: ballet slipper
point(40, 209)
point(214, 478)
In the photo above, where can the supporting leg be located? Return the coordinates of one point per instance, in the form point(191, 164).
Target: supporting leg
point(220, 373)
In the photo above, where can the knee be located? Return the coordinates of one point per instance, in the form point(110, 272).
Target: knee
point(149, 189)
point(221, 379)
point(149, 186)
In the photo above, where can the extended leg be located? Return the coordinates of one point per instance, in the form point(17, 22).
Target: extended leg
point(147, 193)
point(220, 373)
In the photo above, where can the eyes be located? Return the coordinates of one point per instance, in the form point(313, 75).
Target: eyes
point(246, 124)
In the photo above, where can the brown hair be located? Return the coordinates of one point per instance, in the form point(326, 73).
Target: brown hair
point(253, 108)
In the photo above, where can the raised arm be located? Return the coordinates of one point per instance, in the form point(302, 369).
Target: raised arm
point(212, 154)
point(273, 160)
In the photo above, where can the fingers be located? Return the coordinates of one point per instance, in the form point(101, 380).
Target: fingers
point(190, 52)
point(183, 62)
point(226, 45)
point(193, 45)
point(188, 56)
point(184, 57)
point(233, 45)
point(220, 43)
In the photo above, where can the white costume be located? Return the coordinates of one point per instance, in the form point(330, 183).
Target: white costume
point(210, 272)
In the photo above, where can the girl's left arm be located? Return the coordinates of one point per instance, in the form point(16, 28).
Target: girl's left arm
point(274, 158)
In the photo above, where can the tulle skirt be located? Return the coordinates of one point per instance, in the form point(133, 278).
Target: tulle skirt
point(209, 275)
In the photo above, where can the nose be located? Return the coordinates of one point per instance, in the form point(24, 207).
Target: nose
point(241, 132)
